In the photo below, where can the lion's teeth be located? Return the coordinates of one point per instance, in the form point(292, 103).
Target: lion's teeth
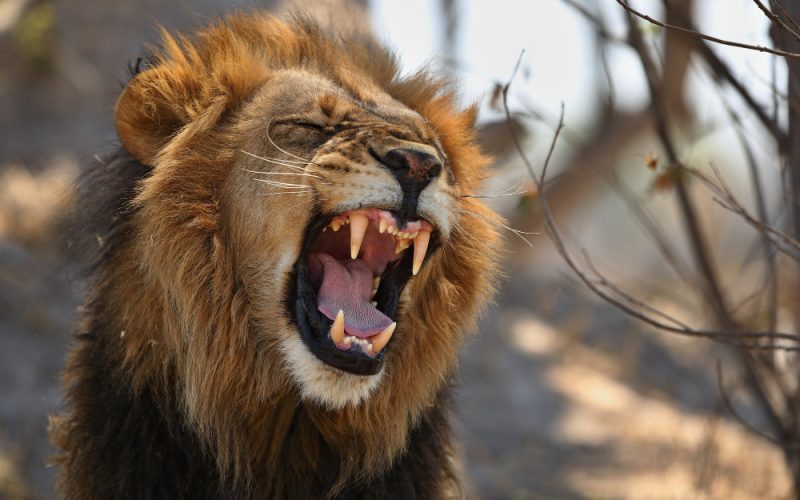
point(401, 245)
point(382, 226)
point(337, 330)
point(358, 226)
point(376, 282)
point(420, 249)
point(380, 340)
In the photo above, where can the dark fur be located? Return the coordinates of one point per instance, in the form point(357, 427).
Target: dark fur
point(135, 444)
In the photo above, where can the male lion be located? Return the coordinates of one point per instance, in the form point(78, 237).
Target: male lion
point(288, 259)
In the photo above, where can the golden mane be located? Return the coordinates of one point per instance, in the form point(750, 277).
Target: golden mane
point(172, 311)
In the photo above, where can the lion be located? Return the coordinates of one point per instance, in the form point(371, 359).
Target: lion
point(290, 253)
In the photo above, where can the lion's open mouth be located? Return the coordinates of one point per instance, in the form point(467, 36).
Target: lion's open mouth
point(349, 278)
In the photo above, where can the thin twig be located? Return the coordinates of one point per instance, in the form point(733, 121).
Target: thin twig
point(759, 48)
point(776, 20)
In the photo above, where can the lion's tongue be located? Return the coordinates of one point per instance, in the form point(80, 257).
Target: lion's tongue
point(346, 286)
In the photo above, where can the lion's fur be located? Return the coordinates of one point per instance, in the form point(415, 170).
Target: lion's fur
point(185, 328)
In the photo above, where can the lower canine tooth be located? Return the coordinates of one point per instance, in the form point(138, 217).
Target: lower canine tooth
point(337, 330)
point(380, 340)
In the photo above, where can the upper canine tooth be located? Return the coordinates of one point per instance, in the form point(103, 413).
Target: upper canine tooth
point(420, 249)
point(358, 226)
point(337, 330)
point(380, 340)
point(382, 226)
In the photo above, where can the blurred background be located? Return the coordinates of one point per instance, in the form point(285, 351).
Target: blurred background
point(650, 185)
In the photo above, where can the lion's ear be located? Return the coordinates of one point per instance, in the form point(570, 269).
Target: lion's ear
point(148, 113)
point(190, 84)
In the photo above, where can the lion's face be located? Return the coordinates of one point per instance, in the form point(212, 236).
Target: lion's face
point(358, 195)
point(333, 201)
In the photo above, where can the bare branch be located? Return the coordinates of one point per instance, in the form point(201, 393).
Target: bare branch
point(776, 20)
point(759, 48)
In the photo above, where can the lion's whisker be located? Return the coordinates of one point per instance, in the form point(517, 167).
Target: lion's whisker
point(304, 202)
point(288, 185)
point(468, 235)
point(512, 190)
point(276, 162)
point(497, 195)
point(304, 174)
point(520, 234)
point(296, 193)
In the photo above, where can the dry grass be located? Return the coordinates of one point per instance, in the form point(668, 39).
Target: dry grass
point(30, 203)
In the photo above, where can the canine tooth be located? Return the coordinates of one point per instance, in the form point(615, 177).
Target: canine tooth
point(358, 226)
point(420, 249)
point(337, 330)
point(380, 340)
point(383, 225)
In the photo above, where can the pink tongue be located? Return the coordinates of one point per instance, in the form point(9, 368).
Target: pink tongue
point(347, 287)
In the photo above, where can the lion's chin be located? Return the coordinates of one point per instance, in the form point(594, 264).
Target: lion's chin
point(324, 384)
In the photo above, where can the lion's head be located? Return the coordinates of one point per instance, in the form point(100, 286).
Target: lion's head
point(305, 233)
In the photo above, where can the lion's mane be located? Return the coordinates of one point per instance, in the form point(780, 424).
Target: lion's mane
point(170, 394)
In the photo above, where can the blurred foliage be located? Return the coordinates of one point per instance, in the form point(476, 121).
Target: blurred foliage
point(34, 36)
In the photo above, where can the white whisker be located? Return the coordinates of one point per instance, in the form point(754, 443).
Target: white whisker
point(467, 235)
point(283, 184)
point(296, 193)
point(276, 162)
point(512, 190)
point(304, 174)
point(304, 202)
point(520, 234)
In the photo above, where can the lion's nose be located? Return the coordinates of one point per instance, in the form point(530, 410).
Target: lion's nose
point(414, 170)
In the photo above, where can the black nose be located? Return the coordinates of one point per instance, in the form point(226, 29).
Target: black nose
point(411, 166)
point(414, 170)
